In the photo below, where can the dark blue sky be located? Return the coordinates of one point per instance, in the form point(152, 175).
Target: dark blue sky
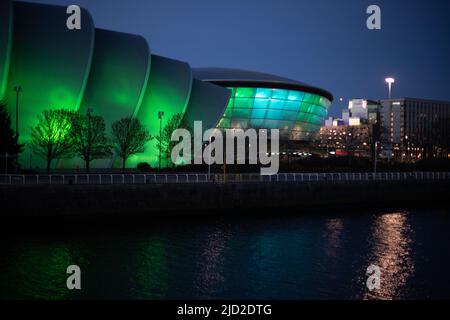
point(321, 42)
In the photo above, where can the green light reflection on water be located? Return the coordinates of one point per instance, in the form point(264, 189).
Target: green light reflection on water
point(39, 273)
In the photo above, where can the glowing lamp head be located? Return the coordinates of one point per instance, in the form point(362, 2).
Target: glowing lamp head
point(390, 80)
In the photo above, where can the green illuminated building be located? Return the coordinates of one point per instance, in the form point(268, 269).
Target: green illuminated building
point(115, 75)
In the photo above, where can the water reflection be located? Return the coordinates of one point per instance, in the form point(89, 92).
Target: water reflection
point(283, 259)
point(149, 278)
point(391, 250)
point(266, 252)
point(211, 264)
point(40, 272)
point(333, 234)
point(310, 257)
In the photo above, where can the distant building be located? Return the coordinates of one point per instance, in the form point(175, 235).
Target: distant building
point(363, 109)
point(347, 140)
point(354, 121)
point(346, 117)
point(354, 134)
point(329, 122)
point(413, 129)
point(332, 122)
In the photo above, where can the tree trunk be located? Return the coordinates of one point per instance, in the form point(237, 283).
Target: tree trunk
point(49, 164)
point(124, 165)
point(88, 166)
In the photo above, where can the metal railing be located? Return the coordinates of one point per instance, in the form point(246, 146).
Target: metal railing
point(101, 179)
point(140, 179)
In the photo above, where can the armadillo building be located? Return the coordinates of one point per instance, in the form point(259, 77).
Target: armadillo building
point(116, 75)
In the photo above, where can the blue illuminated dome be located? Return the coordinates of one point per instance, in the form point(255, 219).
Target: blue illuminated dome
point(264, 101)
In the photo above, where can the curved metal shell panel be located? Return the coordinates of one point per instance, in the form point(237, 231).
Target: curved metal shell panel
point(49, 62)
point(208, 104)
point(119, 75)
point(6, 27)
point(118, 78)
point(168, 91)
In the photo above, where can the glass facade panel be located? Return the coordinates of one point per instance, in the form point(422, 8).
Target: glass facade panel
point(245, 92)
point(308, 97)
point(233, 92)
point(280, 94)
point(229, 109)
point(292, 105)
point(302, 116)
point(239, 124)
point(259, 113)
point(263, 93)
point(281, 114)
point(321, 111)
point(228, 112)
point(243, 103)
point(312, 118)
point(297, 114)
point(316, 99)
point(225, 123)
point(257, 123)
point(277, 104)
point(295, 95)
point(307, 108)
point(261, 103)
point(242, 113)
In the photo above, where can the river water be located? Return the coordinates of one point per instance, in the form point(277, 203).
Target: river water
point(282, 255)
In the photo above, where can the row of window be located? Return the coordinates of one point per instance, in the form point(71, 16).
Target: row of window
point(247, 103)
point(298, 115)
point(298, 125)
point(279, 94)
point(427, 107)
point(262, 114)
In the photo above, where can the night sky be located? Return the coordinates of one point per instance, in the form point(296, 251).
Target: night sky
point(321, 42)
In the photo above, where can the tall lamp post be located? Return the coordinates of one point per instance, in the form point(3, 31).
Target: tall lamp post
point(17, 89)
point(375, 157)
point(390, 81)
point(408, 153)
point(160, 117)
point(209, 156)
point(6, 163)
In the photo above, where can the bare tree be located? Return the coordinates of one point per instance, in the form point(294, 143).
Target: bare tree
point(164, 141)
point(90, 140)
point(51, 138)
point(129, 137)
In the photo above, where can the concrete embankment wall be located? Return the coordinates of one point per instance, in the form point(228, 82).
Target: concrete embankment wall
point(161, 200)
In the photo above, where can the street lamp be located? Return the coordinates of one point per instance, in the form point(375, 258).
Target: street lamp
point(6, 163)
point(390, 81)
point(209, 156)
point(375, 157)
point(7, 156)
point(17, 89)
point(407, 149)
point(160, 117)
